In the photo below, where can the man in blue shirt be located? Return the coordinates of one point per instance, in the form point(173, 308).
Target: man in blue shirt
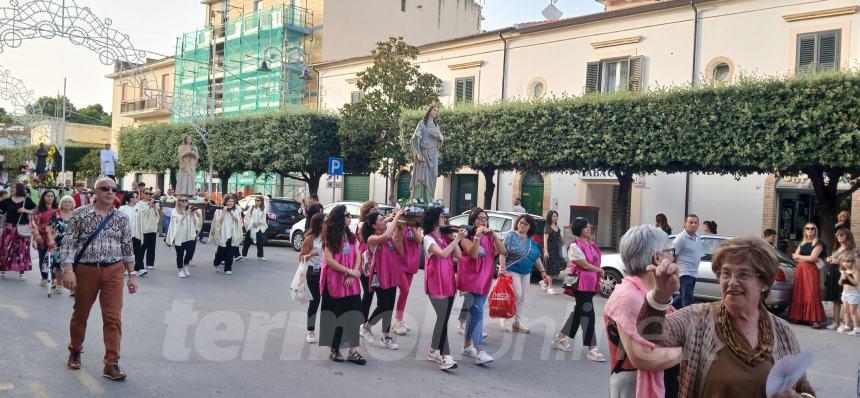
point(688, 255)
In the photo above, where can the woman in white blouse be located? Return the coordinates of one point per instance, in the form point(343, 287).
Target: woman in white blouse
point(148, 216)
point(226, 229)
point(185, 223)
point(255, 224)
point(127, 207)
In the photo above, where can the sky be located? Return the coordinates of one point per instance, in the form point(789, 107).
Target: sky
point(153, 25)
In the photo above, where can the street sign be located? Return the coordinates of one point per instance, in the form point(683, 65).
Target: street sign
point(335, 166)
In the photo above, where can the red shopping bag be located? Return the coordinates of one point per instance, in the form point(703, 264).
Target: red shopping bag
point(503, 301)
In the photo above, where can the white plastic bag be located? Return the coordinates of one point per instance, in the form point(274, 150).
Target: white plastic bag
point(299, 287)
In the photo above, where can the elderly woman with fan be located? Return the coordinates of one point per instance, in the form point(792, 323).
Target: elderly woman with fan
point(730, 345)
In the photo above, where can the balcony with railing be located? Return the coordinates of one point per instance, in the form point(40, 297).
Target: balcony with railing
point(150, 106)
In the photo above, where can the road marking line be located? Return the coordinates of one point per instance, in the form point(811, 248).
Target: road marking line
point(89, 382)
point(19, 312)
point(46, 339)
point(6, 386)
point(38, 390)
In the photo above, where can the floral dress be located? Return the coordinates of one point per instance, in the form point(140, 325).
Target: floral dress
point(60, 225)
point(554, 261)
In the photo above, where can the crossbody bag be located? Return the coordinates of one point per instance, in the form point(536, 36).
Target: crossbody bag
point(93, 236)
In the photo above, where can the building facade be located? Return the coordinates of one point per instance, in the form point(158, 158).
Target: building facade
point(633, 45)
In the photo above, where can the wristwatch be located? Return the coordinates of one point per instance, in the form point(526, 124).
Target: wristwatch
point(132, 273)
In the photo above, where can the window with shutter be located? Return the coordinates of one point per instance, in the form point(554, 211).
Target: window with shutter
point(592, 77)
point(635, 73)
point(464, 89)
point(818, 51)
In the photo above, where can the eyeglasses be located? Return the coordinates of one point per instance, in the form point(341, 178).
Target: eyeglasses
point(669, 252)
point(743, 276)
point(483, 218)
point(183, 200)
point(108, 189)
point(347, 215)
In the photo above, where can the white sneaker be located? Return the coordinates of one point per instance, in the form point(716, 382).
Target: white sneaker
point(832, 326)
point(470, 351)
point(367, 335)
point(400, 328)
point(390, 344)
point(150, 267)
point(182, 274)
point(310, 337)
point(843, 329)
point(434, 356)
point(186, 272)
point(261, 259)
point(229, 272)
point(142, 273)
point(483, 358)
point(240, 258)
point(461, 328)
point(448, 362)
point(561, 344)
point(855, 332)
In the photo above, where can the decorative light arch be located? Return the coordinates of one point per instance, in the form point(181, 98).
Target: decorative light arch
point(49, 19)
point(14, 91)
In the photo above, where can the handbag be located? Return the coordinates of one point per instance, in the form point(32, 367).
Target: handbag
point(570, 284)
point(299, 286)
point(24, 230)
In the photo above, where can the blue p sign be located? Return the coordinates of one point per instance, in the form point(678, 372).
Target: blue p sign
point(335, 166)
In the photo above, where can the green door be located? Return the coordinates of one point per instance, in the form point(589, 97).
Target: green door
point(356, 188)
point(532, 193)
point(403, 185)
point(464, 193)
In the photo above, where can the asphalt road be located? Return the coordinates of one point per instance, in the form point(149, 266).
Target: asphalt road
point(242, 336)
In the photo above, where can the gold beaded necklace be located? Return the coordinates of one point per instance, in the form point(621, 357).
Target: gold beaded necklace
point(730, 337)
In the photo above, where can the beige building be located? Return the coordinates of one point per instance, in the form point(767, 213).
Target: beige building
point(77, 134)
point(633, 45)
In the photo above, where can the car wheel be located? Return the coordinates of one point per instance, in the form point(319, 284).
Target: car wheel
point(298, 239)
point(608, 281)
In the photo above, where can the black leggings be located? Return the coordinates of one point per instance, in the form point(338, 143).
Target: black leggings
point(184, 253)
point(385, 300)
point(261, 240)
point(225, 254)
point(43, 265)
point(147, 248)
point(366, 298)
point(584, 308)
point(313, 279)
point(442, 306)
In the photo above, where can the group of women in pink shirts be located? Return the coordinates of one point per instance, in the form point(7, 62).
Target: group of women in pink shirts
point(381, 260)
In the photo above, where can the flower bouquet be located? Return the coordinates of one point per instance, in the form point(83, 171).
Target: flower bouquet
point(414, 210)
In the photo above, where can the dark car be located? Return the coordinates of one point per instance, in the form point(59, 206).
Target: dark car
point(281, 214)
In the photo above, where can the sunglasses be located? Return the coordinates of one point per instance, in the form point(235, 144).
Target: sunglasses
point(810, 228)
point(183, 200)
point(108, 189)
point(347, 215)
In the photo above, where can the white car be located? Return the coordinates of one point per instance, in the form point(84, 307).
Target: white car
point(297, 232)
point(707, 286)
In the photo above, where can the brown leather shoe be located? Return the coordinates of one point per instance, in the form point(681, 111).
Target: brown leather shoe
point(114, 372)
point(74, 362)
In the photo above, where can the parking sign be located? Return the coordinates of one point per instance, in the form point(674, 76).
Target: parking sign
point(335, 166)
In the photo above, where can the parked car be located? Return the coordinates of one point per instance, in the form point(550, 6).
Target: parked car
point(296, 233)
point(281, 214)
point(707, 284)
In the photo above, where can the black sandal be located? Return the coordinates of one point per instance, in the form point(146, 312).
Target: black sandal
point(356, 358)
point(335, 356)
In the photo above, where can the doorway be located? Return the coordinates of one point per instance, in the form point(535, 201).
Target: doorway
point(532, 193)
point(464, 193)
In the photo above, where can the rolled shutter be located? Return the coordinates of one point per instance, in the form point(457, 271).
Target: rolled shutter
point(592, 77)
point(635, 73)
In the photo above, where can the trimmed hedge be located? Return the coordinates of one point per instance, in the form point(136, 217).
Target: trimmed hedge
point(14, 158)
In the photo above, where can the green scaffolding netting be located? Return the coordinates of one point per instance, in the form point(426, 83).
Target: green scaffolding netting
point(235, 53)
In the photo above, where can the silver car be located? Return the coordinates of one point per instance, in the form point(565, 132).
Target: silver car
point(707, 285)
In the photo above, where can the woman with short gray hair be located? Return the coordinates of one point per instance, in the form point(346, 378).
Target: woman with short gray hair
point(629, 352)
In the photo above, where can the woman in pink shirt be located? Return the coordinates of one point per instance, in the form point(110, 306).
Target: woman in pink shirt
point(341, 291)
point(475, 275)
point(412, 239)
point(440, 282)
point(385, 249)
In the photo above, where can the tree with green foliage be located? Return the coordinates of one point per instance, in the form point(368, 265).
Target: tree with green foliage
point(805, 124)
point(89, 166)
point(5, 118)
point(53, 107)
point(372, 139)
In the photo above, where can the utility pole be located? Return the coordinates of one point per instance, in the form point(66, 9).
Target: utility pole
point(63, 135)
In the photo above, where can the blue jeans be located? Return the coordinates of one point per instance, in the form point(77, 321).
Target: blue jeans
point(165, 222)
point(475, 320)
point(685, 296)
